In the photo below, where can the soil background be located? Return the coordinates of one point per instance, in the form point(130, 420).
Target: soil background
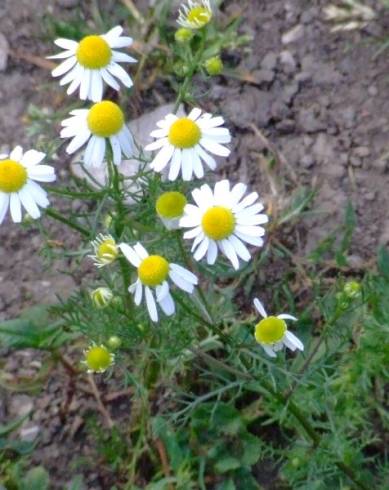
point(320, 98)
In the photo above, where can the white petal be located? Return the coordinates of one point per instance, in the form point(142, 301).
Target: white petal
point(250, 230)
point(167, 305)
point(15, 208)
point(96, 86)
point(141, 251)
point(269, 351)
point(240, 248)
point(214, 147)
point(66, 44)
point(32, 157)
point(16, 154)
point(230, 253)
point(294, 340)
point(256, 219)
point(116, 150)
point(237, 193)
point(109, 79)
point(212, 252)
point(119, 72)
point(85, 84)
point(98, 152)
point(180, 282)
point(249, 211)
point(75, 83)
point(210, 161)
point(138, 293)
point(80, 139)
point(175, 164)
point(190, 221)
point(89, 151)
point(121, 42)
point(159, 133)
point(130, 254)
point(199, 238)
point(252, 240)
point(151, 306)
point(126, 141)
point(202, 249)
point(207, 122)
point(156, 145)
point(184, 273)
point(113, 34)
point(197, 165)
point(29, 203)
point(162, 291)
point(122, 57)
point(71, 75)
point(39, 194)
point(286, 316)
point(187, 164)
point(248, 201)
point(42, 173)
point(260, 308)
point(64, 67)
point(4, 202)
point(162, 158)
point(194, 113)
point(62, 55)
point(221, 192)
point(192, 233)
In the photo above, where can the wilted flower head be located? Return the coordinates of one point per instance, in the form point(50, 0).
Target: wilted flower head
point(105, 250)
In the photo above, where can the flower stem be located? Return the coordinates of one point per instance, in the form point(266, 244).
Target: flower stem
point(71, 224)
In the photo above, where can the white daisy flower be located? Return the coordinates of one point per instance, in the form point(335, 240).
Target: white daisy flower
point(170, 208)
point(93, 61)
point(105, 250)
point(196, 14)
point(18, 173)
point(223, 219)
point(153, 273)
point(272, 332)
point(186, 142)
point(104, 120)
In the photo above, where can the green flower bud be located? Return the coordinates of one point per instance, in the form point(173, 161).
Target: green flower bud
point(214, 66)
point(352, 289)
point(114, 342)
point(101, 297)
point(183, 35)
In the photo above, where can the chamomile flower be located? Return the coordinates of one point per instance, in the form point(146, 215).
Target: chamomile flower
point(97, 358)
point(196, 14)
point(101, 297)
point(153, 274)
point(223, 219)
point(272, 332)
point(18, 173)
point(93, 61)
point(170, 208)
point(186, 142)
point(103, 121)
point(105, 250)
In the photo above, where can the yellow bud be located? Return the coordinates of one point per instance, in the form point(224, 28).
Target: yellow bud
point(114, 342)
point(214, 66)
point(101, 297)
point(183, 35)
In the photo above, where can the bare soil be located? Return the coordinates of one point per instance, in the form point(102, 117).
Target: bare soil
point(320, 98)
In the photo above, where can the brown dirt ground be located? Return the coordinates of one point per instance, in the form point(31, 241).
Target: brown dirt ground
point(321, 99)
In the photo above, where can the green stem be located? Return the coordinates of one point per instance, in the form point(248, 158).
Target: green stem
point(291, 406)
point(71, 224)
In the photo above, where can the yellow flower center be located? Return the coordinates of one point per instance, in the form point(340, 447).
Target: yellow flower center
point(105, 119)
point(184, 133)
point(199, 16)
point(153, 270)
point(171, 204)
point(218, 222)
point(270, 330)
point(13, 176)
point(98, 358)
point(107, 250)
point(93, 52)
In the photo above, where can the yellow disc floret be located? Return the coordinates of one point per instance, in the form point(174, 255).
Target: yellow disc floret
point(218, 222)
point(171, 204)
point(199, 16)
point(184, 133)
point(13, 176)
point(107, 250)
point(153, 270)
point(98, 359)
point(270, 330)
point(105, 119)
point(93, 52)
